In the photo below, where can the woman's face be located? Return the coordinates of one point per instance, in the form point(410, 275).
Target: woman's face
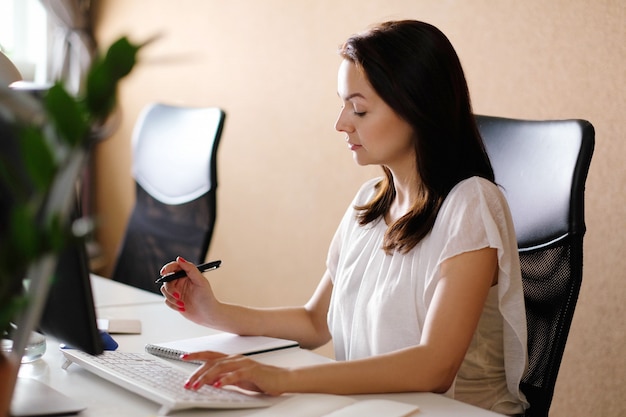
point(374, 132)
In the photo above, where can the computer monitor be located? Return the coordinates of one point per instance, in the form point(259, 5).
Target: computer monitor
point(69, 315)
point(67, 311)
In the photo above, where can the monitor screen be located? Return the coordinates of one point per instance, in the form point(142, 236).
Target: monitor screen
point(69, 315)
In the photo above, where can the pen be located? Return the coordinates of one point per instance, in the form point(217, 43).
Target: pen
point(209, 266)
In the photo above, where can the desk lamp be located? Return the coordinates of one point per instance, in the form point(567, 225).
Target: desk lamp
point(8, 71)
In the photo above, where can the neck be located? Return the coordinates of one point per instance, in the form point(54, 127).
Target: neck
point(407, 186)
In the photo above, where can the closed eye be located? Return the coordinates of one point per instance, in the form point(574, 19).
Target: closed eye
point(359, 113)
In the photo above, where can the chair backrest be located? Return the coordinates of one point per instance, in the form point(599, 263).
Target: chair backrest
point(542, 167)
point(175, 172)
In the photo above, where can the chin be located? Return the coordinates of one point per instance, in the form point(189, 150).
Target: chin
point(361, 161)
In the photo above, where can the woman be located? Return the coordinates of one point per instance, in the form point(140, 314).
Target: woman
point(422, 290)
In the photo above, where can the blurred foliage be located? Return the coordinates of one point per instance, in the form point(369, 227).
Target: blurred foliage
point(60, 127)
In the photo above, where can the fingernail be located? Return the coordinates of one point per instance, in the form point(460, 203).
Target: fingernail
point(181, 259)
point(185, 356)
point(176, 295)
point(217, 384)
point(179, 303)
point(187, 385)
point(181, 309)
point(196, 385)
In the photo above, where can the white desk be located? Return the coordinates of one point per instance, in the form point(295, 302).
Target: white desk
point(109, 293)
point(115, 300)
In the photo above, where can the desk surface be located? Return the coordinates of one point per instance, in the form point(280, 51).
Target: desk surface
point(109, 293)
point(159, 324)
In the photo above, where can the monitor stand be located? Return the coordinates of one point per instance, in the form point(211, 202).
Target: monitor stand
point(34, 398)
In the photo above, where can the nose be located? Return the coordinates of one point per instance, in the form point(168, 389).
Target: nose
point(342, 124)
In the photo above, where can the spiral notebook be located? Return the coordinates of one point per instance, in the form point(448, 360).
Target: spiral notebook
point(227, 343)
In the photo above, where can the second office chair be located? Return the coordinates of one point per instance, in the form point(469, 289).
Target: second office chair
point(175, 172)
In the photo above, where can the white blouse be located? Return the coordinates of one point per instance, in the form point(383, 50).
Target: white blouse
point(379, 302)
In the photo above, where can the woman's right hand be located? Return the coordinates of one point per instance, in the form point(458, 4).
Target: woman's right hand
point(193, 296)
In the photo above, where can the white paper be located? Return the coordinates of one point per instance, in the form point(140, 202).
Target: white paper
point(328, 405)
point(376, 408)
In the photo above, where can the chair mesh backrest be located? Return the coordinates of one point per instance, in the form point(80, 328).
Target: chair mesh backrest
point(551, 278)
point(542, 167)
point(158, 232)
point(175, 171)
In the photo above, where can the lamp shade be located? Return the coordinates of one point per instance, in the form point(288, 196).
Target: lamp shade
point(8, 72)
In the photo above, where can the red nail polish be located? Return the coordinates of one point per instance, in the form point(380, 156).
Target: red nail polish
point(217, 384)
point(181, 309)
point(184, 356)
point(181, 259)
point(176, 295)
point(196, 385)
point(180, 303)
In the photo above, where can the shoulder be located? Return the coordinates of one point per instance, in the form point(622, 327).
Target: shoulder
point(472, 185)
point(476, 191)
point(474, 198)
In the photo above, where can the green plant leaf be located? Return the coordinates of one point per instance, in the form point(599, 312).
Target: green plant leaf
point(105, 74)
point(67, 114)
point(100, 97)
point(121, 57)
point(8, 312)
point(37, 156)
point(24, 233)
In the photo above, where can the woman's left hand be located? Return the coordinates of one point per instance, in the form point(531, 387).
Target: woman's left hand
point(220, 370)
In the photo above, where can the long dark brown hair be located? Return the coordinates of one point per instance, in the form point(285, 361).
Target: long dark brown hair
point(413, 67)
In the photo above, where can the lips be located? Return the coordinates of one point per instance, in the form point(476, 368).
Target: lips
point(354, 147)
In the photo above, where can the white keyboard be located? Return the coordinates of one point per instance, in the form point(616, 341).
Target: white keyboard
point(158, 380)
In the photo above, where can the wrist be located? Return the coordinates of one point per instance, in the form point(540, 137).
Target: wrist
point(215, 316)
point(290, 381)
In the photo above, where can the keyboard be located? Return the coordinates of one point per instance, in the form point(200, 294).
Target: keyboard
point(158, 380)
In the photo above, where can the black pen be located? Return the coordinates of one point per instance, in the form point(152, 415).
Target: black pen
point(209, 266)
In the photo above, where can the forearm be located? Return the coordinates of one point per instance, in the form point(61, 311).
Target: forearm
point(305, 324)
point(294, 323)
point(416, 369)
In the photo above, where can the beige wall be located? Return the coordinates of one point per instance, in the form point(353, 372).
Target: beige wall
point(286, 176)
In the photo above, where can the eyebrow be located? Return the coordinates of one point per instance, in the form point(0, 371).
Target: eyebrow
point(353, 95)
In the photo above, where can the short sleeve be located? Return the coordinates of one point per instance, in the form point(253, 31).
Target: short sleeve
point(473, 216)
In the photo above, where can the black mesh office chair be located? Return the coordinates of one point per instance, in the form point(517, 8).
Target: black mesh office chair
point(542, 166)
point(175, 172)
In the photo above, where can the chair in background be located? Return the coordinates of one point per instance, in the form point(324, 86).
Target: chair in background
point(542, 167)
point(175, 172)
